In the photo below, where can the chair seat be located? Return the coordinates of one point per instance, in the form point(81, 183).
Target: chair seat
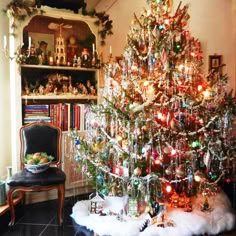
point(24, 178)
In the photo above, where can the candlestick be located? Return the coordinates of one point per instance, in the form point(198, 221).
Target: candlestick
point(110, 50)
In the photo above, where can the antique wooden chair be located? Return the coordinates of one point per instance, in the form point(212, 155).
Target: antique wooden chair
point(39, 137)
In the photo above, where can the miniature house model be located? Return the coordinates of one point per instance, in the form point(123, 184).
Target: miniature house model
point(96, 203)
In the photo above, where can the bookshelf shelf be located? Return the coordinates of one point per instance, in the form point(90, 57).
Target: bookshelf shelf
point(47, 67)
point(59, 97)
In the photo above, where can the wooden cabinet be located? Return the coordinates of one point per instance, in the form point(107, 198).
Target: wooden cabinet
point(31, 80)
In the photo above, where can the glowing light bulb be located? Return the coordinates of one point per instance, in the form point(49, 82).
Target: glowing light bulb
point(206, 94)
point(159, 115)
point(158, 162)
point(181, 67)
point(173, 152)
point(199, 88)
point(168, 188)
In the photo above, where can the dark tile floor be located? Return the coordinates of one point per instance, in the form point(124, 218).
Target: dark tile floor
point(41, 220)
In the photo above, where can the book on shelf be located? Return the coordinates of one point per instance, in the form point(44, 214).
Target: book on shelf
point(67, 116)
point(37, 112)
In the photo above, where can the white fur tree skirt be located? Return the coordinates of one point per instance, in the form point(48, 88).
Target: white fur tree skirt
point(218, 219)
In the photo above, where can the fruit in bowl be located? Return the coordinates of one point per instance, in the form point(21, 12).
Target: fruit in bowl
point(37, 162)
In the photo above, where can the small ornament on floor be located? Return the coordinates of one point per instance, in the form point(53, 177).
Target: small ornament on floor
point(205, 206)
point(120, 216)
point(96, 203)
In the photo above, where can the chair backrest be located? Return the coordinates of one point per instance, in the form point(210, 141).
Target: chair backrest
point(41, 136)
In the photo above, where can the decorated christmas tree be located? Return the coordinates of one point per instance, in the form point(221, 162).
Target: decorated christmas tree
point(164, 129)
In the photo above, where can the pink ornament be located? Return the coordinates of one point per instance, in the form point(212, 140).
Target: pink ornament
point(94, 124)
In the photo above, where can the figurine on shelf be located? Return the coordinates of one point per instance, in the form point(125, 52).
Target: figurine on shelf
point(90, 88)
point(41, 90)
point(32, 59)
point(65, 88)
point(85, 58)
point(72, 49)
point(70, 87)
point(82, 89)
point(49, 87)
point(41, 52)
point(75, 91)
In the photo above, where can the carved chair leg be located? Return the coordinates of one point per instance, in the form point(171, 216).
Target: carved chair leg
point(61, 196)
point(11, 206)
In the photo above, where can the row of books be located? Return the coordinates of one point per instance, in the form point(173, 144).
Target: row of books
point(64, 115)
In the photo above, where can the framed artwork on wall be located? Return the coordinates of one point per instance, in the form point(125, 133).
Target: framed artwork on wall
point(39, 38)
point(215, 63)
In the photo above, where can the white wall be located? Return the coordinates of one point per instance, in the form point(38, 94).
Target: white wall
point(212, 22)
point(5, 119)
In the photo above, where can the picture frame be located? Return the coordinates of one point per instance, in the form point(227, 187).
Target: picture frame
point(36, 38)
point(215, 62)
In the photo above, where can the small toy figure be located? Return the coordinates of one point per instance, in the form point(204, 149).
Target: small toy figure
point(90, 88)
point(75, 91)
point(82, 89)
point(72, 49)
point(41, 52)
point(85, 58)
point(65, 88)
point(205, 206)
point(41, 90)
point(49, 87)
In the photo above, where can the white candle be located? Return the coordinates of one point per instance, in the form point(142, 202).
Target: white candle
point(50, 61)
point(110, 50)
point(4, 41)
point(29, 42)
point(93, 47)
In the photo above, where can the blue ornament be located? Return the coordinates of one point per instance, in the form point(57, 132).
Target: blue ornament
point(77, 158)
point(99, 139)
point(104, 192)
point(99, 179)
point(77, 142)
point(159, 194)
point(161, 27)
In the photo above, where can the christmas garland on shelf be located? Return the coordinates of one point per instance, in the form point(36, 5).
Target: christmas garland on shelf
point(19, 10)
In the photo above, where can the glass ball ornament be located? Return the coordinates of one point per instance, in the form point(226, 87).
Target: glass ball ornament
point(169, 170)
point(180, 171)
point(137, 171)
point(77, 158)
point(167, 150)
point(99, 179)
point(99, 139)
